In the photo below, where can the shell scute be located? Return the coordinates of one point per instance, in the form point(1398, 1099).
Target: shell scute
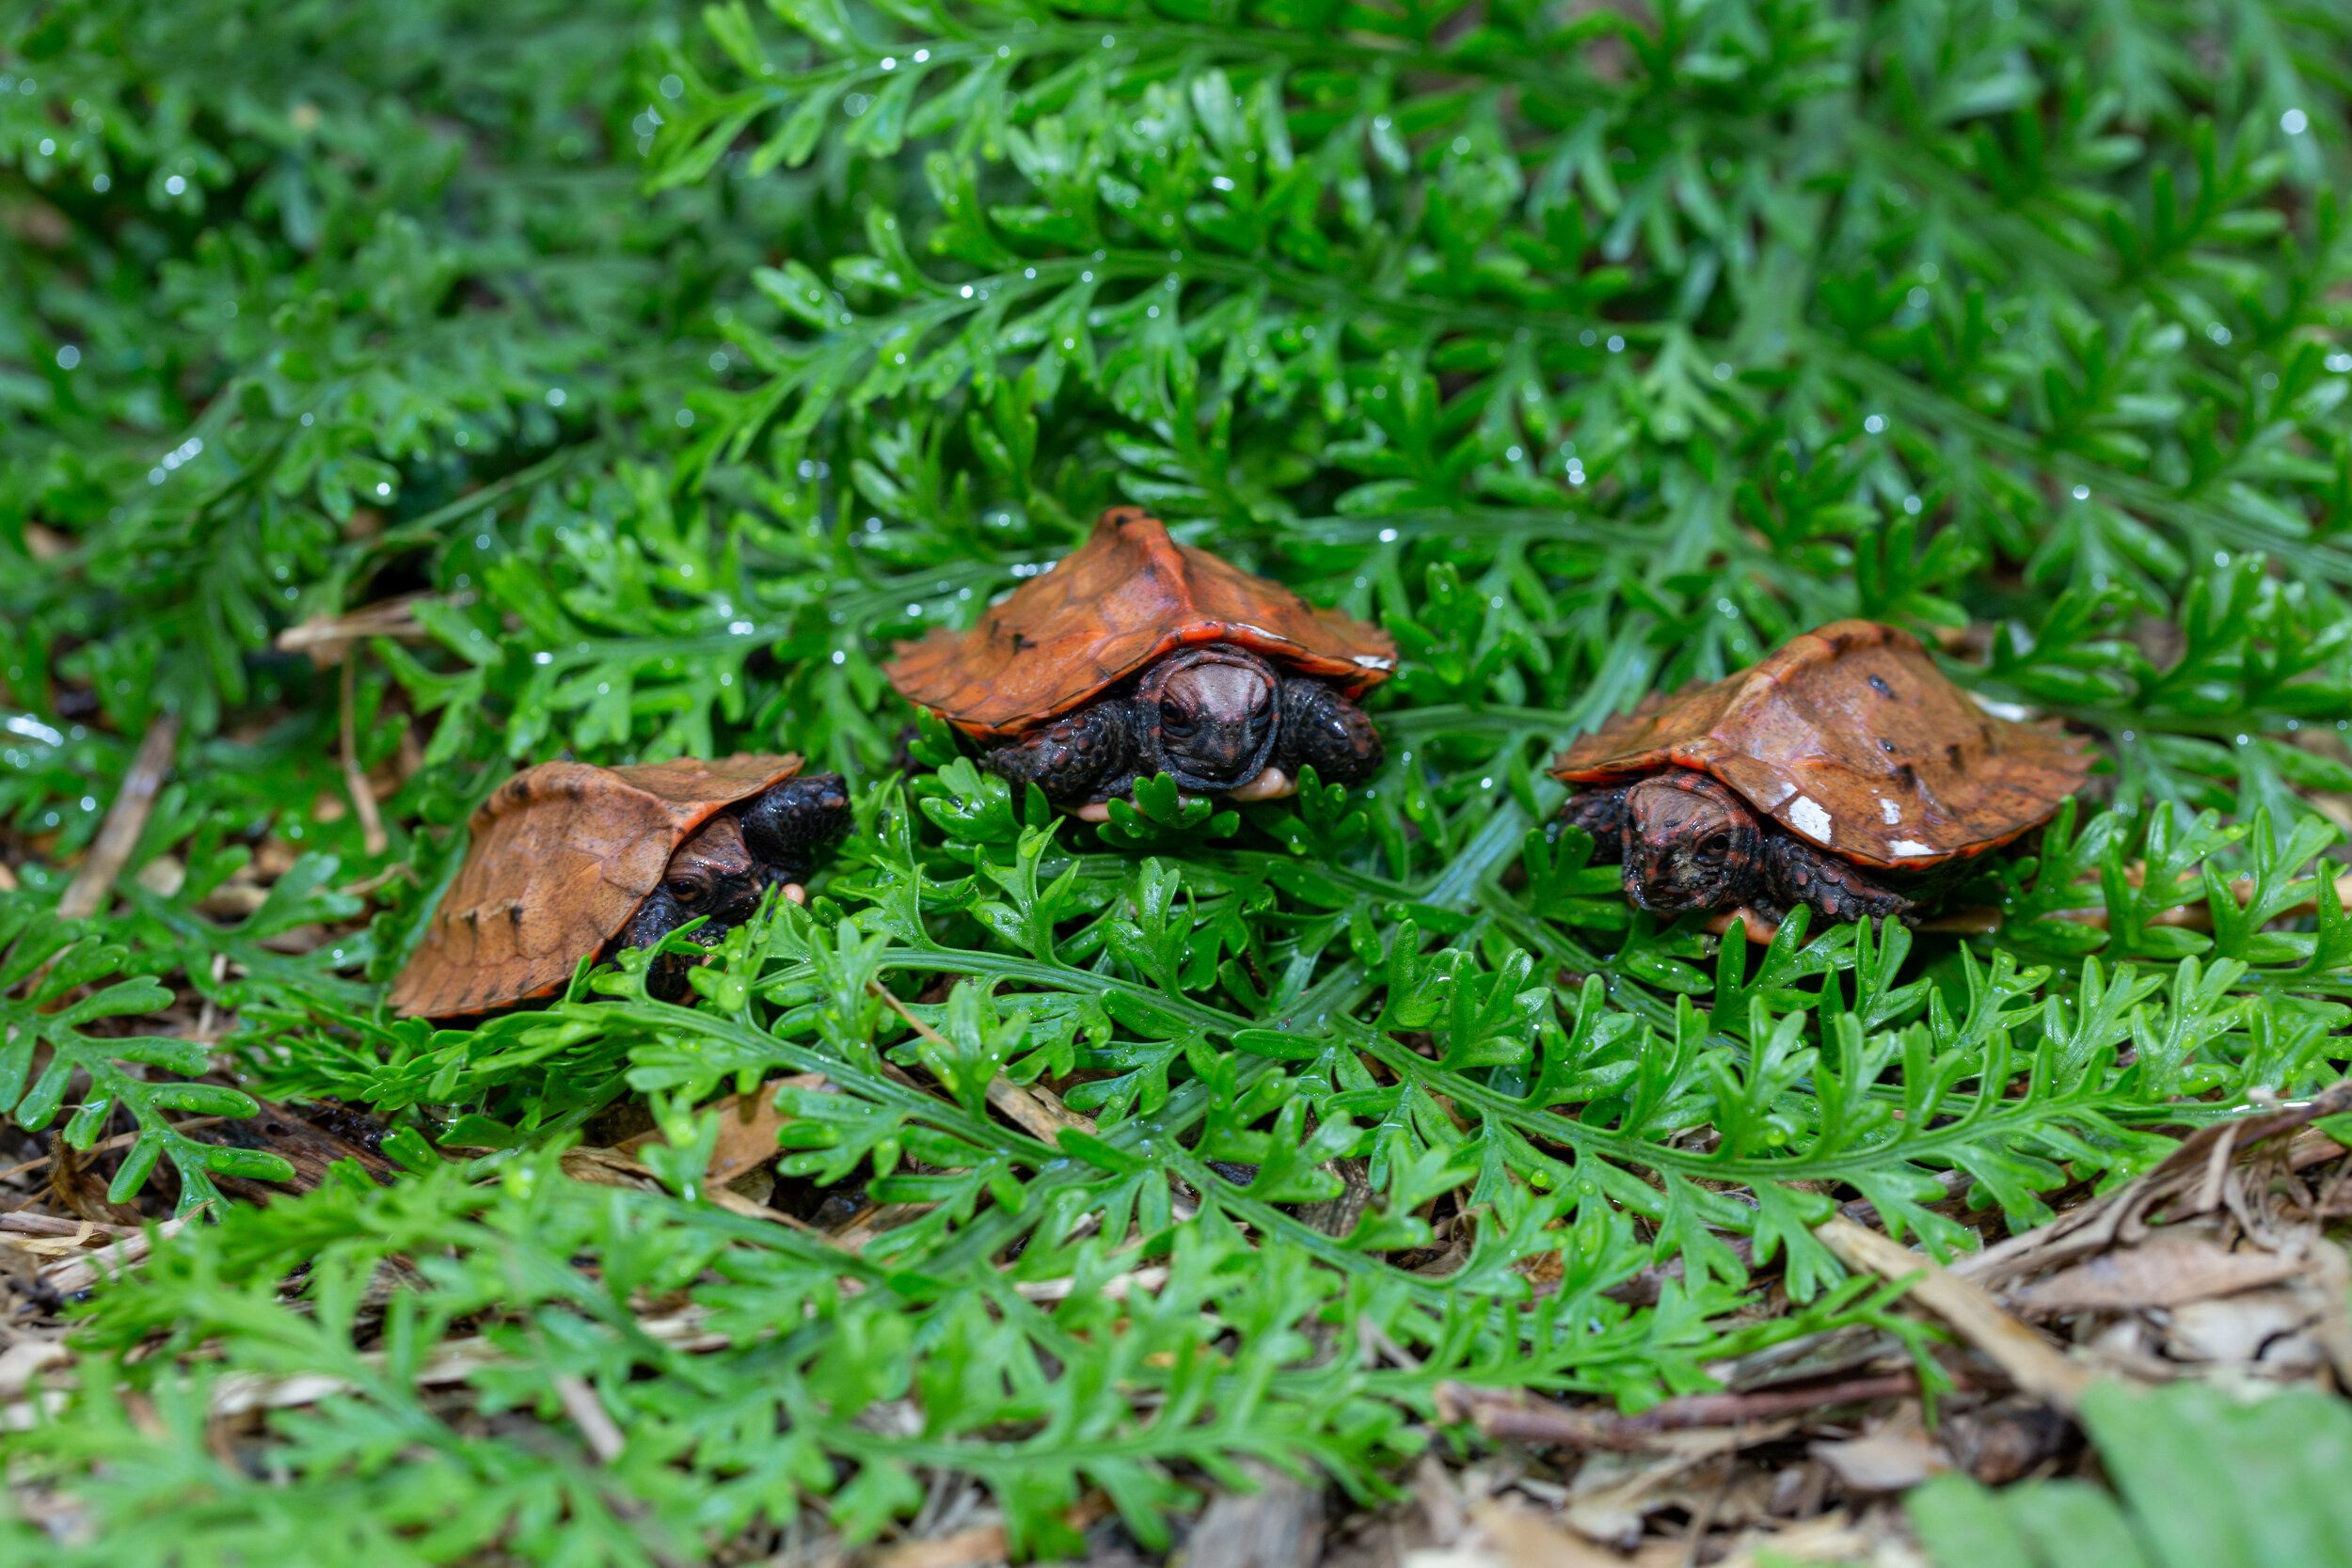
point(1127, 596)
point(1843, 722)
point(561, 856)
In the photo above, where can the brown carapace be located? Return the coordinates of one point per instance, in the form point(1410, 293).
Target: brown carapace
point(564, 855)
point(1136, 656)
point(1127, 596)
point(1844, 768)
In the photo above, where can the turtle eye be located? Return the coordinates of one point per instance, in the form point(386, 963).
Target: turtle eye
point(687, 894)
point(1715, 850)
point(1175, 722)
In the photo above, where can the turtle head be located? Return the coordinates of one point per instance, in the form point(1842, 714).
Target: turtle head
point(1213, 712)
point(712, 873)
point(1691, 844)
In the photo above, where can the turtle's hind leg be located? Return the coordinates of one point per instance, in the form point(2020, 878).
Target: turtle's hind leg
point(793, 823)
point(1073, 757)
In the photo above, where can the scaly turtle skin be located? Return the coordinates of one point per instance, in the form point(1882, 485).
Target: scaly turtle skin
point(566, 858)
point(1846, 773)
point(1137, 656)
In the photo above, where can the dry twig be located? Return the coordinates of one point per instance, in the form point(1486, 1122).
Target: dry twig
point(327, 639)
point(94, 882)
point(2025, 1355)
point(597, 1426)
point(108, 1145)
point(73, 1275)
point(54, 1226)
point(1517, 1416)
point(371, 834)
point(2186, 1182)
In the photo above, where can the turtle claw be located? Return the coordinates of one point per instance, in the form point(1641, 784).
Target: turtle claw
point(1094, 811)
point(1271, 784)
point(796, 893)
point(1759, 929)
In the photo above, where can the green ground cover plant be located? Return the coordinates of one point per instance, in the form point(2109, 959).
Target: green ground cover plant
point(392, 394)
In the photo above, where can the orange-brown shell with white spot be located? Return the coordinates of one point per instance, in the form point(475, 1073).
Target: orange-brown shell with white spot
point(562, 855)
point(1853, 741)
point(1129, 596)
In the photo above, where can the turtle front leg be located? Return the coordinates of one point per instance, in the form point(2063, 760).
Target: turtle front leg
point(1601, 813)
point(1797, 873)
point(1324, 730)
point(791, 825)
point(1075, 757)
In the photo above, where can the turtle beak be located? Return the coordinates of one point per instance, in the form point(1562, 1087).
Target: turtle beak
point(1650, 885)
point(1221, 753)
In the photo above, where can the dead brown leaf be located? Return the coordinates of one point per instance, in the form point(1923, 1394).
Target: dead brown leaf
point(748, 1124)
point(2266, 1329)
point(79, 1190)
point(974, 1545)
point(1895, 1458)
point(969, 1547)
point(2169, 1268)
point(1521, 1538)
point(1279, 1525)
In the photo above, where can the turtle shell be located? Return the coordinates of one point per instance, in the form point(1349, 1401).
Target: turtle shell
point(1853, 741)
point(562, 855)
point(1127, 596)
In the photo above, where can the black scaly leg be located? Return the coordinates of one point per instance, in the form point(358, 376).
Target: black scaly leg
point(1323, 729)
point(1838, 889)
point(787, 828)
point(656, 918)
point(1601, 813)
point(1073, 757)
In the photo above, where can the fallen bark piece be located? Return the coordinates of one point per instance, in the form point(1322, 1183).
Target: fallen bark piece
point(281, 1130)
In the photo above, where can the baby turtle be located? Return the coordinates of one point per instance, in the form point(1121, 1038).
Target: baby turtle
point(1846, 771)
point(567, 859)
point(1137, 656)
